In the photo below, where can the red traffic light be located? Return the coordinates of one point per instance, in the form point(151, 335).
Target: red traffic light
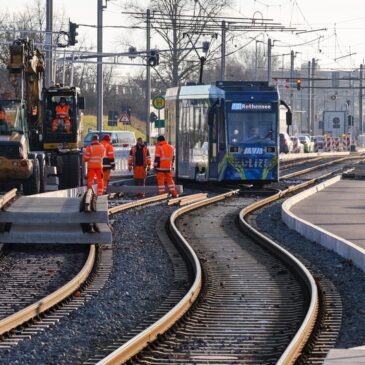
point(299, 84)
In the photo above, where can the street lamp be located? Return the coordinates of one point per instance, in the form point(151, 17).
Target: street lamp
point(206, 45)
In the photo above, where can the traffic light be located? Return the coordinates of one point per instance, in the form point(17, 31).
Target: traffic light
point(206, 46)
point(299, 84)
point(72, 33)
point(153, 117)
point(350, 120)
point(154, 58)
point(132, 52)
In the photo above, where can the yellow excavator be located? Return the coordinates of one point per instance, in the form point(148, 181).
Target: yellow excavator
point(39, 146)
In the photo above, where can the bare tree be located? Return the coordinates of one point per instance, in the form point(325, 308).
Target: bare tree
point(181, 26)
point(250, 63)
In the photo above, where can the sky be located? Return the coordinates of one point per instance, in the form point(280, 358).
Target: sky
point(343, 38)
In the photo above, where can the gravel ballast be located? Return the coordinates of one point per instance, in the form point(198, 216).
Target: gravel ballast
point(140, 280)
point(349, 280)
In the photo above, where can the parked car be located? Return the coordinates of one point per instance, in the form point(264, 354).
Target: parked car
point(308, 145)
point(319, 140)
point(286, 144)
point(124, 139)
point(297, 149)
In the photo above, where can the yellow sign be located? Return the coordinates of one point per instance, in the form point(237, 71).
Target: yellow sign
point(158, 102)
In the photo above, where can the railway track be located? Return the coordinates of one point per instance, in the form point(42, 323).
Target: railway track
point(43, 284)
point(163, 310)
point(157, 354)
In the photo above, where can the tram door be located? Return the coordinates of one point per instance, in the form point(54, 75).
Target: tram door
point(213, 144)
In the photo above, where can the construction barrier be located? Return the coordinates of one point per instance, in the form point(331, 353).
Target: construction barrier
point(346, 142)
point(336, 144)
point(328, 144)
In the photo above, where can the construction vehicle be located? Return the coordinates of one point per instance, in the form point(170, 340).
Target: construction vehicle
point(35, 149)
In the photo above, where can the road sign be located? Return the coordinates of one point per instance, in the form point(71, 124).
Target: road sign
point(125, 119)
point(158, 102)
point(160, 123)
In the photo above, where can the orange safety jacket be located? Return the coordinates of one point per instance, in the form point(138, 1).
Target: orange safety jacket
point(2, 115)
point(164, 157)
point(94, 155)
point(146, 157)
point(108, 160)
point(62, 111)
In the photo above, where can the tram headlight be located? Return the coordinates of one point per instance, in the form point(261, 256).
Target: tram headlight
point(236, 131)
point(234, 140)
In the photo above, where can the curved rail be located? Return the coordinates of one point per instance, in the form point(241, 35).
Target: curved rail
point(296, 345)
point(136, 344)
point(52, 299)
point(31, 311)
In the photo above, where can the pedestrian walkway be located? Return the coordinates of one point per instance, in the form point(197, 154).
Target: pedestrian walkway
point(339, 209)
point(333, 214)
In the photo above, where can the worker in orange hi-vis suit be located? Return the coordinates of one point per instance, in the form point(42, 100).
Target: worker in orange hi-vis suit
point(108, 160)
point(62, 119)
point(164, 159)
point(94, 155)
point(140, 161)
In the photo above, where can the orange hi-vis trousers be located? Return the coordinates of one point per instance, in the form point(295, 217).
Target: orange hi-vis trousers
point(91, 173)
point(106, 177)
point(165, 176)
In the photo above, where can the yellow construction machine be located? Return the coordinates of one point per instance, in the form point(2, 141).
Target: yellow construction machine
point(35, 149)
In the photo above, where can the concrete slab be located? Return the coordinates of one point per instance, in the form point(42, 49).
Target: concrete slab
point(351, 356)
point(60, 234)
point(50, 210)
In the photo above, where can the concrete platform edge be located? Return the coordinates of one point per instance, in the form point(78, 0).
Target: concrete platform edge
point(341, 246)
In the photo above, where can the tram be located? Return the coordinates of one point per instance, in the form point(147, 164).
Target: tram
point(227, 131)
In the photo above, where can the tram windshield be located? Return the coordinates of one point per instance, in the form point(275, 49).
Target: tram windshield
point(246, 127)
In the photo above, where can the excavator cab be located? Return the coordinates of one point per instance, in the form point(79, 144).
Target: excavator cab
point(62, 126)
point(62, 133)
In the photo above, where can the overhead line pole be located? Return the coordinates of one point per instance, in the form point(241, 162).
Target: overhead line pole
point(223, 52)
point(269, 77)
point(99, 69)
point(148, 77)
point(48, 42)
point(312, 97)
point(291, 82)
point(309, 114)
point(361, 127)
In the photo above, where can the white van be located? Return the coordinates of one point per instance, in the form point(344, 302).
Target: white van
point(124, 139)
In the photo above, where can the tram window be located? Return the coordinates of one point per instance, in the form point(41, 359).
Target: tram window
point(214, 130)
point(222, 132)
point(214, 151)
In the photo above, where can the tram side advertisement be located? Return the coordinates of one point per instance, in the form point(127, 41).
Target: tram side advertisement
point(252, 141)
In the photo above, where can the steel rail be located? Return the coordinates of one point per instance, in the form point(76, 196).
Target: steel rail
point(296, 345)
point(7, 197)
point(298, 342)
point(137, 203)
point(313, 168)
point(42, 305)
point(31, 311)
point(139, 342)
point(136, 344)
